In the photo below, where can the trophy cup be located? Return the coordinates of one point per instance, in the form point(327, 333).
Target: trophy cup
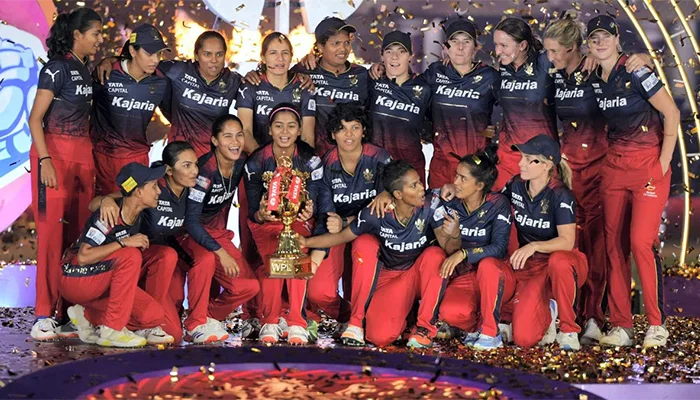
point(286, 194)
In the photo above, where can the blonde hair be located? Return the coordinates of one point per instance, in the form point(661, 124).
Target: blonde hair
point(567, 30)
point(563, 170)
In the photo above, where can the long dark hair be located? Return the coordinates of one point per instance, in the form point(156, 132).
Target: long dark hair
point(520, 31)
point(60, 40)
point(219, 123)
point(482, 166)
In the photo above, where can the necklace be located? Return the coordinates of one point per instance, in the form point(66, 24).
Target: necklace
point(227, 190)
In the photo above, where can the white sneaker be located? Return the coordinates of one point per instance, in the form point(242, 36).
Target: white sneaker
point(298, 335)
point(86, 332)
point(124, 338)
point(657, 335)
point(506, 331)
point(618, 337)
point(551, 334)
point(353, 336)
point(250, 328)
point(340, 327)
point(220, 327)
point(155, 335)
point(270, 333)
point(205, 333)
point(44, 329)
point(284, 327)
point(568, 341)
point(67, 331)
point(591, 333)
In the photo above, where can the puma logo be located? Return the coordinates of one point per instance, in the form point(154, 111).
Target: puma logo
point(52, 74)
point(360, 221)
point(248, 172)
point(241, 91)
point(569, 206)
point(507, 219)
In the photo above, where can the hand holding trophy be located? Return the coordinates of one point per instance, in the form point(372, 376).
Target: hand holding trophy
point(286, 195)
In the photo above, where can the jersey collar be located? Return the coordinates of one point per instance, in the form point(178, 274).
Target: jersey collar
point(348, 65)
point(83, 61)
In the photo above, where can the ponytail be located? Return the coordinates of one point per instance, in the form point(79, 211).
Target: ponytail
point(565, 173)
point(482, 166)
point(60, 41)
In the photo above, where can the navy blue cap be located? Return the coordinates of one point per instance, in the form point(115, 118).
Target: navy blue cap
point(541, 145)
point(134, 174)
point(603, 23)
point(149, 38)
point(331, 26)
point(397, 37)
point(461, 26)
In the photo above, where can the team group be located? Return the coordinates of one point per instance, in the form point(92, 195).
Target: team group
point(517, 240)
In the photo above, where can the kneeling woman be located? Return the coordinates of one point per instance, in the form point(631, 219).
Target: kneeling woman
point(546, 265)
point(480, 278)
point(393, 263)
point(208, 242)
point(101, 272)
point(285, 129)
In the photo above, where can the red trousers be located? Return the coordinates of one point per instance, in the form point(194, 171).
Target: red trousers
point(557, 276)
point(635, 192)
point(107, 167)
point(110, 293)
point(250, 252)
point(157, 269)
point(266, 238)
point(200, 268)
point(59, 214)
point(590, 235)
point(323, 287)
point(443, 169)
point(507, 165)
point(382, 298)
point(478, 295)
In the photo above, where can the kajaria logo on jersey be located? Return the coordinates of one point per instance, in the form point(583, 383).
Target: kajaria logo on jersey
point(393, 104)
point(568, 94)
point(171, 222)
point(525, 220)
point(220, 198)
point(514, 85)
point(83, 90)
point(472, 232)
point(349, 198)
point(203, 98)
point(335, 94)
point(604, 104)
point(403, 246)
point(455, 92)
point(131, 104)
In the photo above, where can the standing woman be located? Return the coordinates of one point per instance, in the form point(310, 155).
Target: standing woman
point(547, 264)
point(62, 176)
point(399, 101)
point(208, 241)
point(525, 92)
point(125, 104)
point(463, 99)
point(285, 129)
point(277, 85)
point(636, 179)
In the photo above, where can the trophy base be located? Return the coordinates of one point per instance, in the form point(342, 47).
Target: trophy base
point(288, 268)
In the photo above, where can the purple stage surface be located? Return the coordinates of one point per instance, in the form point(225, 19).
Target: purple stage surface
point(681, 296)
point(215, 371)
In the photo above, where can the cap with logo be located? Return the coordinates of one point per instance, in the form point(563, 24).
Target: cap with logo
point(541, 145)
point(134, 174)
point(149, 38)
point(331, 26)
point(461, 26)
point(603, 23)
point(398, 37)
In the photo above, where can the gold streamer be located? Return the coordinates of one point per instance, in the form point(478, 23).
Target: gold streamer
point(684, 22)
point(681, 142)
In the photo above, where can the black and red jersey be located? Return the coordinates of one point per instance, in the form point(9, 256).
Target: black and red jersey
point(97, 233)
point(194, 103)
point(527, 99)
point(485, 231)
point(624, 101)
point(70, 81)
point(584, 138)
point(400, 245)
point(263, 160)
point(346, 193)
point(461, 107)
point(536, 219)
point(123, 109)
point(165, 221)
point(333, 88)
point(209, 202)
point(265, 96)
point(397, 113)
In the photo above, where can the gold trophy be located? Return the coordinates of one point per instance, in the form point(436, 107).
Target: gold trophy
point(286, 194)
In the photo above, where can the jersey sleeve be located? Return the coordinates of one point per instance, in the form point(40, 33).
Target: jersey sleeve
point(325, 203)
point(193, 214)
point(95, 233)
point(53, 76)
point(500, 234)
point(565, 209)
point(315, 180)
point(254, 187)
point(246, 97)
point(365, 223)
point(308, 104)
point(170, 68)
point(646, 82)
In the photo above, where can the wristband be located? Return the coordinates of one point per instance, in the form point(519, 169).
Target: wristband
point(44, 158)
point(121, 243)
point(464, 254)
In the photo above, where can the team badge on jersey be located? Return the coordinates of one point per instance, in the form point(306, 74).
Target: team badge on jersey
point(544, 206)
point(477, 79)
point(152, 89)
point(579, 77)
point(353, 79)
point(420, 224)
point(477, 250)
point(482, 213)
point(417, 91)
point(369, 176)
point(296, 95)
point(222, 86)
point(530, 69)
